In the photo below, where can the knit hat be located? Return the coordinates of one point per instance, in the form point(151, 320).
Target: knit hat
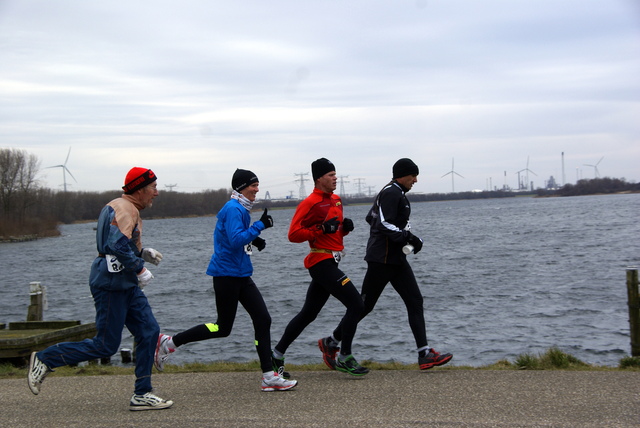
point(137, 178)
point(404, 167)
point(320, 167)
point(242, 179)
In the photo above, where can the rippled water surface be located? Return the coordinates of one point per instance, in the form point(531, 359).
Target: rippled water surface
point(500, 277)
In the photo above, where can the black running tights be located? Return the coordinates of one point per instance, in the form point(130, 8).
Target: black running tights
point(326, 280)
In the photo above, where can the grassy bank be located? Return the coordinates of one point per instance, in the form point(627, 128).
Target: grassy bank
point(553, 359)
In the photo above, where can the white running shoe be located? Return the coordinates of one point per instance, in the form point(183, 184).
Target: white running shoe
point(277, 383)
point(37, 372)
point(148, 401)
point(162, 351)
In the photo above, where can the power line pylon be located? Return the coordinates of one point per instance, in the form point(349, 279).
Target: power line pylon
point(303, 192)
point(359, 183)
point(341, 180)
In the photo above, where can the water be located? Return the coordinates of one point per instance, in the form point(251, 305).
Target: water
point(500, 277)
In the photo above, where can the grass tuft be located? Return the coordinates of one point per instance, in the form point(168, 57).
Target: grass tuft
point(552, 359)
point(629, 363)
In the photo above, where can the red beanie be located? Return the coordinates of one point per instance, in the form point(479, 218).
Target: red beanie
point(137, 178)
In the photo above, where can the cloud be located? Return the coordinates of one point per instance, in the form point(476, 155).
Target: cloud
point(196, 89)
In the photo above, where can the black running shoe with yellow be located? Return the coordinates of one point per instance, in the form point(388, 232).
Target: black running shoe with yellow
point(351, 366)
point(432, 359)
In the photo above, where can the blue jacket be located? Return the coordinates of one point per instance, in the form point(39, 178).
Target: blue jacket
point(232, 241)
point(118, 234)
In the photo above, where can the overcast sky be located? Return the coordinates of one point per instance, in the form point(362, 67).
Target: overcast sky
point(195, 89)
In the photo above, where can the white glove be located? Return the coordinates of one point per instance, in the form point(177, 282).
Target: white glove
point(144, 278)
point(152, 256)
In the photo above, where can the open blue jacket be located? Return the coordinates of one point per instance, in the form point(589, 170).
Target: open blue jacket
point(232, 241)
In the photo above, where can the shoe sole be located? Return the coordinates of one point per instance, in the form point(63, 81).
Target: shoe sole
point(142, 407)
point(351, 373)
point(427, 366)
point(278, 388)
point(326, 357)
point(32, 360)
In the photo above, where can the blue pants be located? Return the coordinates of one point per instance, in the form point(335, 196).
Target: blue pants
point(114, 310)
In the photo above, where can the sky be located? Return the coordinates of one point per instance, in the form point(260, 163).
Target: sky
point(485, 92)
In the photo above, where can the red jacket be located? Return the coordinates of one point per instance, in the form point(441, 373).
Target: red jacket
point(306, 225)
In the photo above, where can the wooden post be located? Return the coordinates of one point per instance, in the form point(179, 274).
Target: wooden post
point(36, 305)
point(634, 310)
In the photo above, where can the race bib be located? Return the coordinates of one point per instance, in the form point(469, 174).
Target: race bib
point(113, 265)
point(248, 249)
point(337, 256)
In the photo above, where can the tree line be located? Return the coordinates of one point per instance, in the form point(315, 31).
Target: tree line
point(26, 208)
point(594, 186)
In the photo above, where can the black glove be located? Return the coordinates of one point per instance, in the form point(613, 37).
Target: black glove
point(259, 243)
point(330, 226)
point(347, 225)
point(416, 242)
point(266, 219)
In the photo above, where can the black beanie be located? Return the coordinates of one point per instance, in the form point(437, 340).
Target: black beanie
point(320, 167)
point(242, 179)
point(404, 167)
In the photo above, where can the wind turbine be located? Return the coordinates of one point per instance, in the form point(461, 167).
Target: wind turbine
point(452, 172)
point(595, 167)
point(64, 170)
point(527, 176)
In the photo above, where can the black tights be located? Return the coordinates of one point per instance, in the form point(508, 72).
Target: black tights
point(326, 280)
point(229, 291)
point(404, 282)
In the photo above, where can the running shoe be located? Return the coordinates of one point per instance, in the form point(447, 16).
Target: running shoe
point(277, 383)
point(37, 372)
point(329, 351)
point(351, 366)
point(162, 351)
point(278, 366)
point(148, 401)
point(433, 359)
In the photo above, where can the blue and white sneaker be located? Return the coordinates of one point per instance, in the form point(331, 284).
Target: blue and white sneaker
point(36, 373)
point(148, 401)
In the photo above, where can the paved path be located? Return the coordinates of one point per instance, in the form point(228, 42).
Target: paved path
point(436, 398)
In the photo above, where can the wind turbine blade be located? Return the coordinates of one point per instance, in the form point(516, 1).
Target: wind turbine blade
point(446, 174)
point(68, 153)
point(599, 161)
point(67, 169)
point(55, 166)
point(458, 174)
